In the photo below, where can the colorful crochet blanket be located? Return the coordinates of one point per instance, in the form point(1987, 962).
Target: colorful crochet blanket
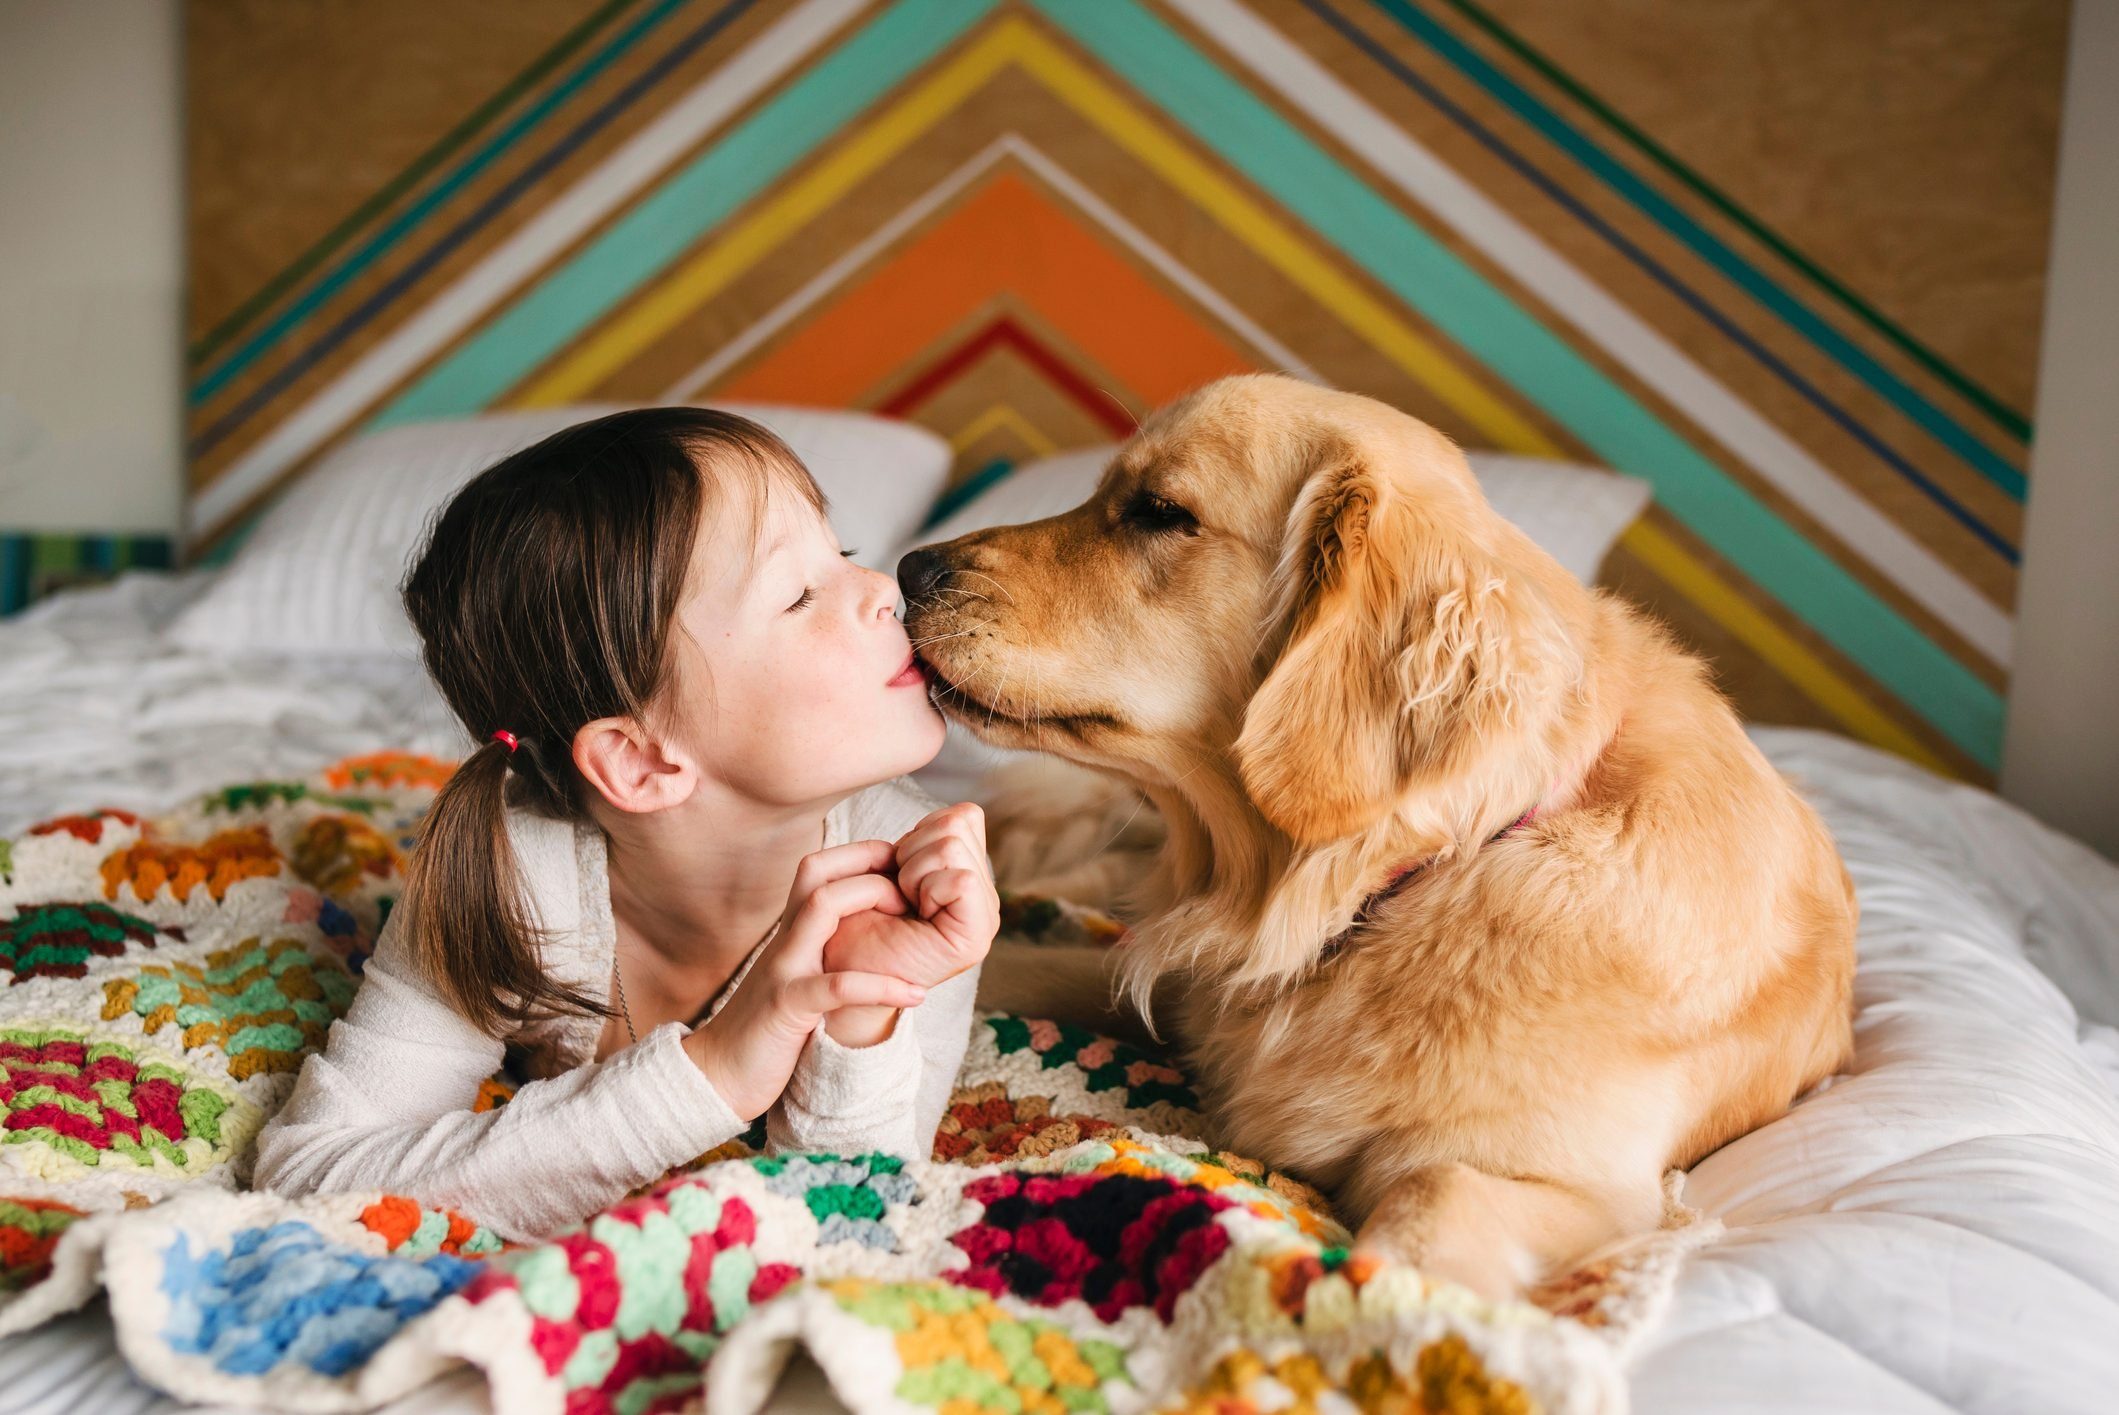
point(1076, 1244)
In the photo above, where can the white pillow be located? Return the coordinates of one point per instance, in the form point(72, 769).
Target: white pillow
point(320, 573)
point(1031, 492)
point(1574, 513)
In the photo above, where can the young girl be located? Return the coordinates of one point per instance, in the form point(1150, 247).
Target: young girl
point(680, 882)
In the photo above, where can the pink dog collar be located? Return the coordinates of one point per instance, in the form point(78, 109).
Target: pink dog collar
point(1399, 879)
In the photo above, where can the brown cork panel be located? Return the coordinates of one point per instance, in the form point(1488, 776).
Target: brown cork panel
point(1907, 146)
point(1012, 104)
point(1757, 689)
point(524, 209)
point(297, 110)
point(1838, 452)
point(1611, 270)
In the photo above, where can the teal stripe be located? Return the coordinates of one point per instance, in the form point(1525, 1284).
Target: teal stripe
point(369, 251)
point(231, 540)
point(386, 196)
point(663, 226)
point(14, 573)
point(1270, 152)
point(33, 563)
point(957, 497)
point(2011, 421)
point(1696, 238)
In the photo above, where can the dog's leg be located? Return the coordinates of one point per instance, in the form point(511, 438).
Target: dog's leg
point(1499, 1237)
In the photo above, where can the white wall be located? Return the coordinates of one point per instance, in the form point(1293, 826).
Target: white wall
point(91, 265)
point(2060, 758)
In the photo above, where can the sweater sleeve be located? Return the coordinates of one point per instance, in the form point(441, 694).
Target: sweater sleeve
point(888, 1097)
point(387, 1105)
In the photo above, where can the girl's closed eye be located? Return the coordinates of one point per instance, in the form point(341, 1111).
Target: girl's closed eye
point(809, 593)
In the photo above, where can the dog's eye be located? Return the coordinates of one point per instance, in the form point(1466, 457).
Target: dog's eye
point(1152, 513)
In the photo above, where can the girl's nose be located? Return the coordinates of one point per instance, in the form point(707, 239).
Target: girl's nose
point(881, 594)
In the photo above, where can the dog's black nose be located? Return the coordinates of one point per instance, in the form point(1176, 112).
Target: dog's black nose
point(921, 573)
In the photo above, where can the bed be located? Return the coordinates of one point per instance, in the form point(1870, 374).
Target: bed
point(1936, 1230)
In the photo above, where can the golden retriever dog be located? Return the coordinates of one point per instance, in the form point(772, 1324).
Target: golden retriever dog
point(1476, 907)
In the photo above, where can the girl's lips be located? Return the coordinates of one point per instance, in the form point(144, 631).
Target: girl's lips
point(910, 674)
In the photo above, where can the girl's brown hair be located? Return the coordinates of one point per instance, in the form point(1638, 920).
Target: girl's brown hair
point(544, 597)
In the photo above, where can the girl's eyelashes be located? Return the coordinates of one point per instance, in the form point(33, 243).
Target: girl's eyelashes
point(811, 593)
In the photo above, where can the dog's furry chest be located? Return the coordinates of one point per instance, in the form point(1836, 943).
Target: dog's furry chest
point(1316, 1079)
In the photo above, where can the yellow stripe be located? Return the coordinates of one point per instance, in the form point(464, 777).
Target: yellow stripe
point(1774, 644)
point(1013, 39)
point(1002, 417)
point(1278, 245)
point(713, 269)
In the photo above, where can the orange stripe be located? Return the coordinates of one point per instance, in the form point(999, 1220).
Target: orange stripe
point(1008, 239)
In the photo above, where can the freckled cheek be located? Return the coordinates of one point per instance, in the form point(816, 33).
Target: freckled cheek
point(828, 672)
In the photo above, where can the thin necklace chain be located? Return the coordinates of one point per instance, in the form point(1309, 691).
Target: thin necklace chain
point(625, 1010)
point(618, 976)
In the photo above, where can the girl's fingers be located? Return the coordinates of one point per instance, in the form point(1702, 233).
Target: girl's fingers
point(929, 837)
point(862, 857)
point(962, 906)
point(800, 945)
point(819, 993)
point(950, 852)
point(941, 888)
point(974, 821)
point(964, 822)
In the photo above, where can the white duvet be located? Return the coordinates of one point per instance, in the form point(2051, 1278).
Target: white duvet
point(1937, 1230)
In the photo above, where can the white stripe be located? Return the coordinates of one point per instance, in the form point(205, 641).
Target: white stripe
point(1093, 206)
point(822, 283)
point(1278, 355)
point(1776, 457)
point(556, 226)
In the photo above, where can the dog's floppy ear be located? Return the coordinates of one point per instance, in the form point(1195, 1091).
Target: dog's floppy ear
point(1404, 654)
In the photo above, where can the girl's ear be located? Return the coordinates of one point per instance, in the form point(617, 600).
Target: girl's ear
point(631, 768)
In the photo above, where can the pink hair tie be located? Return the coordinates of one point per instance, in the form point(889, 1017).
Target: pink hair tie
point(506, 739)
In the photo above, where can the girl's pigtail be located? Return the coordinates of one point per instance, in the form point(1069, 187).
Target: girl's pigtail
point(466, 925)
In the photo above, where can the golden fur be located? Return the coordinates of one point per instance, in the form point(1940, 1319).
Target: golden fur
point(1290, 619)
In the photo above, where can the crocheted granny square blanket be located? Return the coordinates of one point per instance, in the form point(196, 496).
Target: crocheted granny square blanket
point(1075, 1244)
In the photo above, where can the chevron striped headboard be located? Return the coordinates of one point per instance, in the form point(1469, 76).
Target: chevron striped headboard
point(1781, 261)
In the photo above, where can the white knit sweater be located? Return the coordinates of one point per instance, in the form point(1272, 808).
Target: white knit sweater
point(387, 1103)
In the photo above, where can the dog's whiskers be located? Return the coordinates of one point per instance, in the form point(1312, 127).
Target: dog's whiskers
point(1120, 404)
point(1038, 692)
point(999, 588)
point(937, 638)
point(1138, 806)
point(993, 703)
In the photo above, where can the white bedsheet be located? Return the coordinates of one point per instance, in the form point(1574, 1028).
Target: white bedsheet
point(1938, 1230)
point(95, 710)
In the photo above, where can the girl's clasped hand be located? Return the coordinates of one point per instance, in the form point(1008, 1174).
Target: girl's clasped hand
point(868, 928)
